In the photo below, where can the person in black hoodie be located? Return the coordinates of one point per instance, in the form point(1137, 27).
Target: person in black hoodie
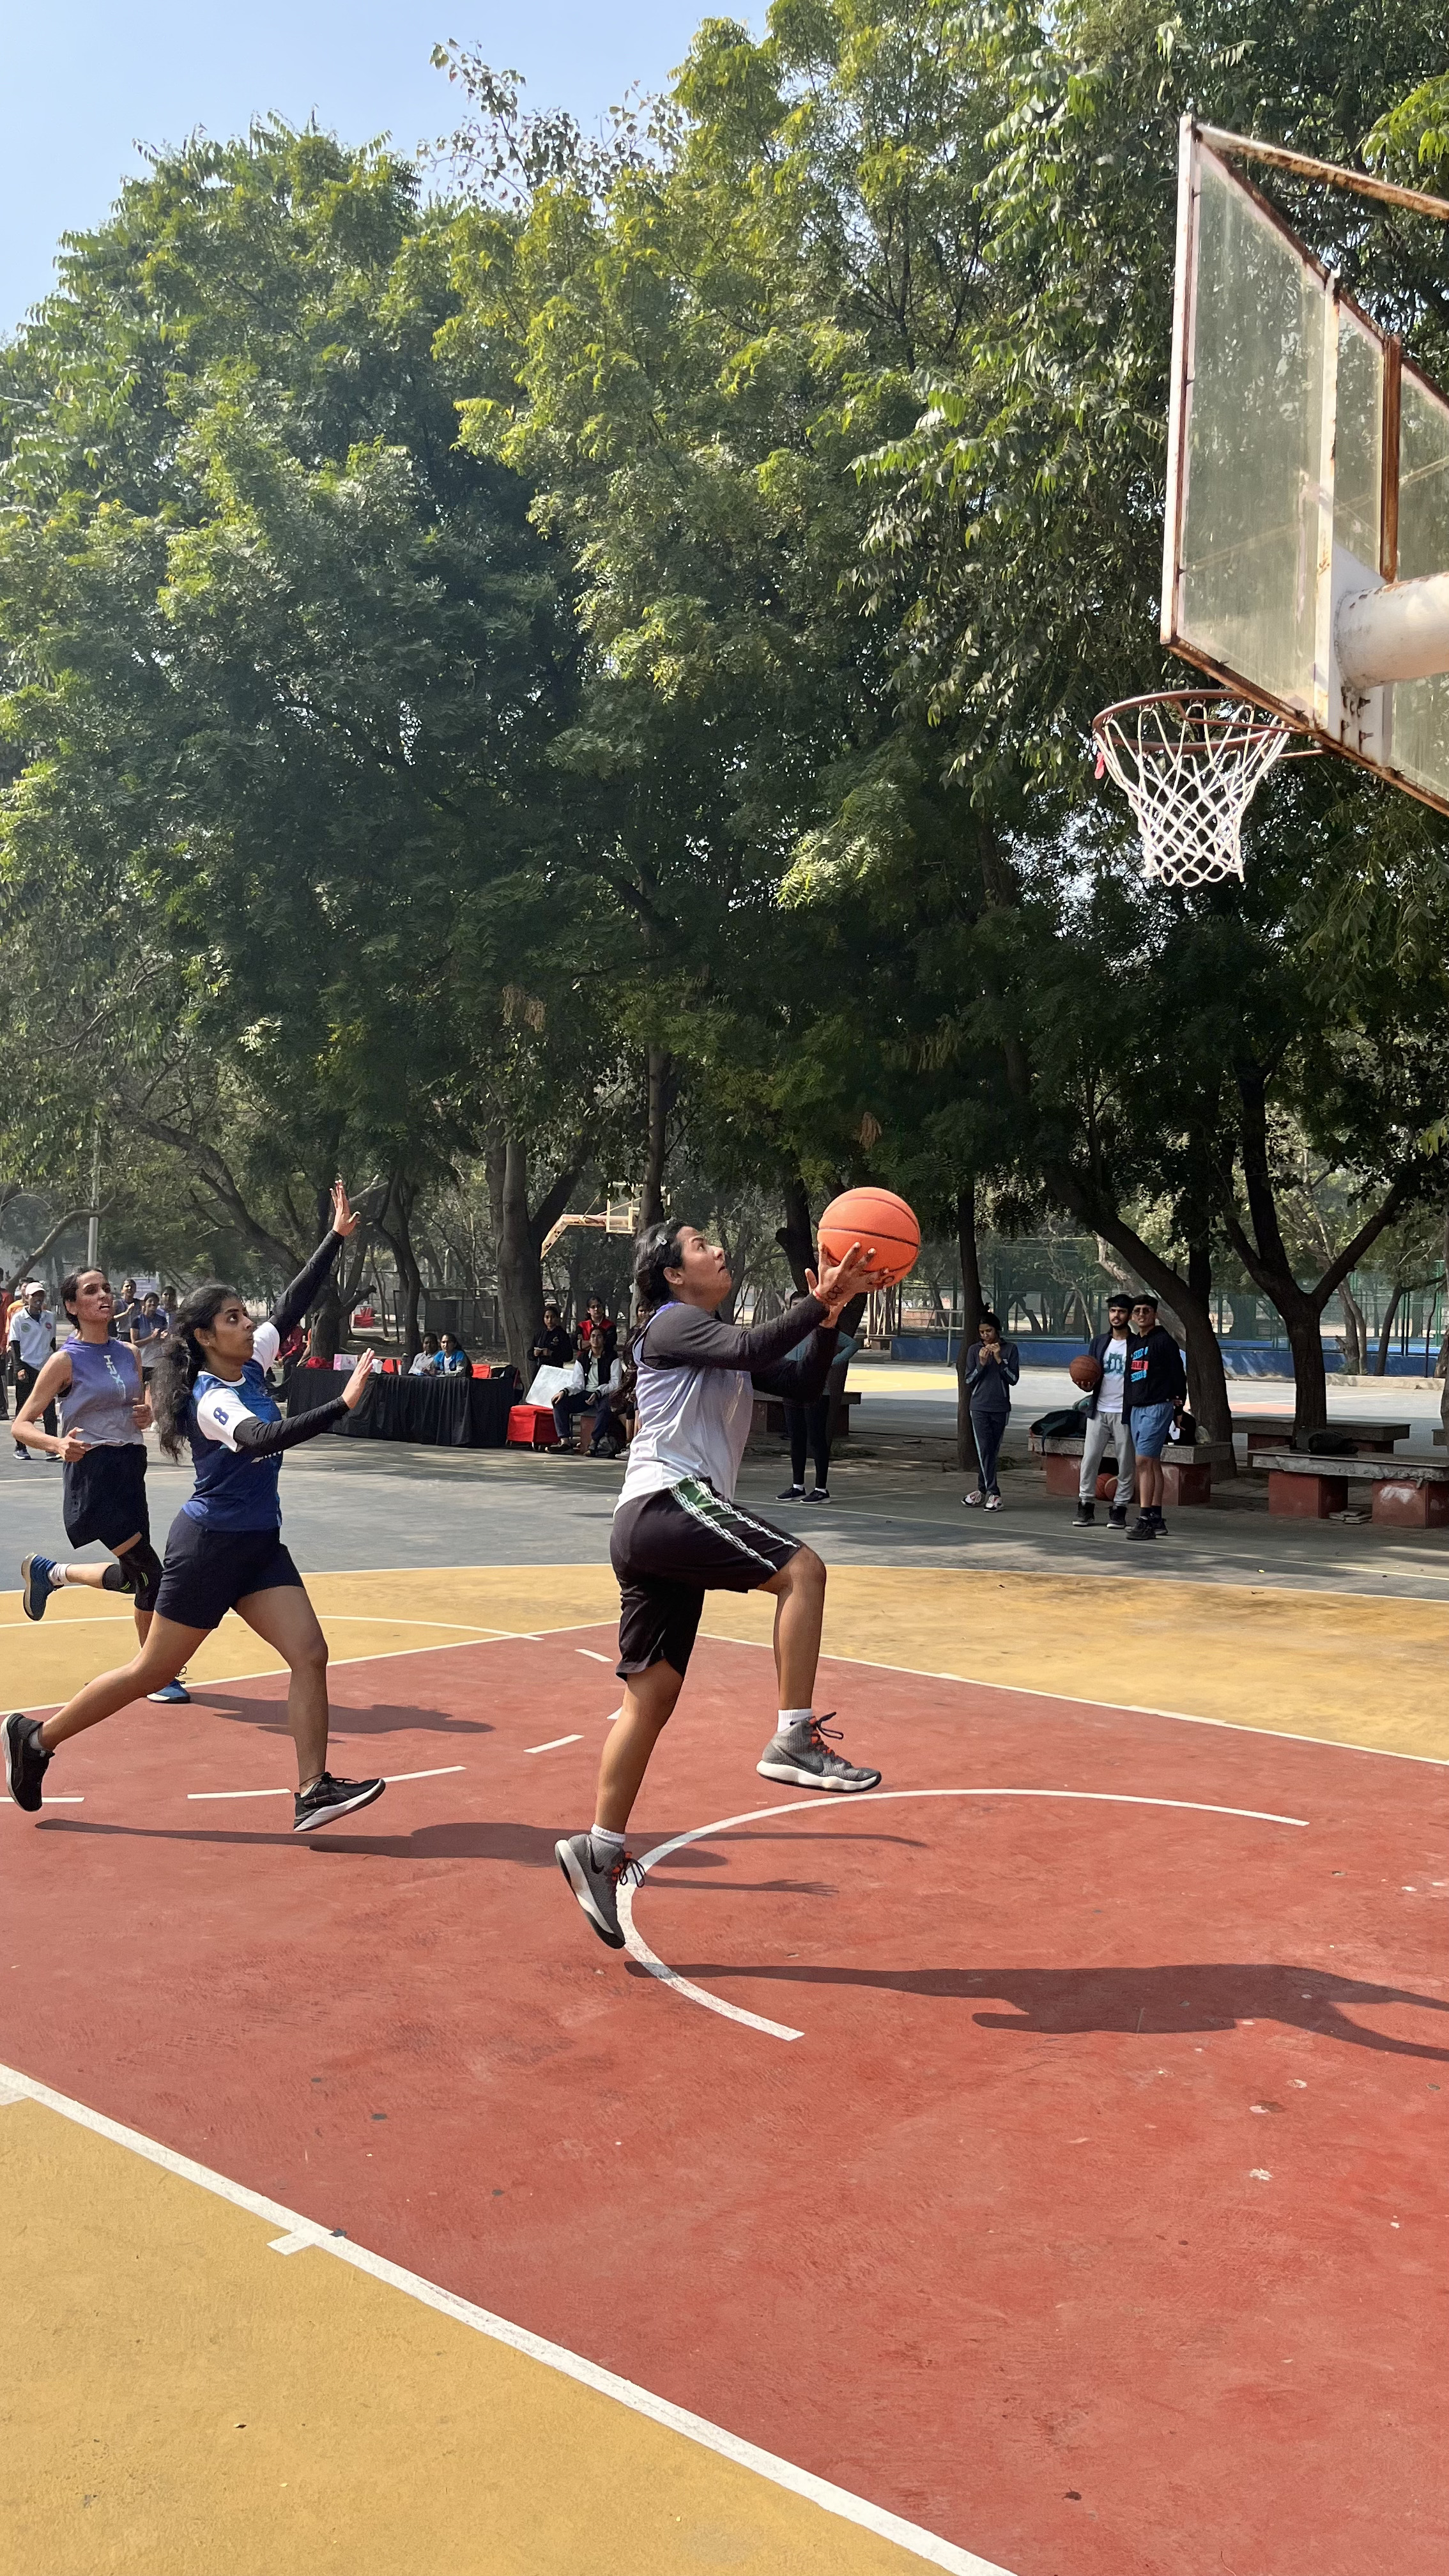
point(1156, 1391)
point(991, 1370)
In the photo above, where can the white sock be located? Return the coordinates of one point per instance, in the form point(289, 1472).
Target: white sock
point(606, 1844)
point(793, 1717)
point(59, 1574)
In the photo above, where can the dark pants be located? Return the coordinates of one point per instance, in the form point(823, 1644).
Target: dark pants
point(24, 1380)
point(566, 1406)
point(989, 1430)
point(809, 1423)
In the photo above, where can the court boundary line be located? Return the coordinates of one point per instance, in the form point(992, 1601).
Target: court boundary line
point(760, 1645)
point(298, 2233)
point(638, 1948)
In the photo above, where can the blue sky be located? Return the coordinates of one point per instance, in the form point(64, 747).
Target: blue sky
point(79, 91)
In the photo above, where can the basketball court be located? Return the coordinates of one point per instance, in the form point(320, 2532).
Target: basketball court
point(1028, 2167)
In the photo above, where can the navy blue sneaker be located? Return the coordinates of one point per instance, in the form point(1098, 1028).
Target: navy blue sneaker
point(173, 1694)
point(35, 1585)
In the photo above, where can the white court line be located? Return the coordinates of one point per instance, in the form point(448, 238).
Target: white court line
point(49, 1802)
point(639, 1949)
point(553, 1744)
point(592, 1656)
point(296, 2232)
point(200, 1797)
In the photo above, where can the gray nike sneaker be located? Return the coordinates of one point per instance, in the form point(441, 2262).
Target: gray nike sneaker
point(802, 1756)
point(597, 1886)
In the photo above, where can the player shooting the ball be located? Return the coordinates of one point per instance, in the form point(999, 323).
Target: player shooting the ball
point(679, 1533)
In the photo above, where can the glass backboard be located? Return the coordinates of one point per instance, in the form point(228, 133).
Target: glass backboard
point(1307, 464)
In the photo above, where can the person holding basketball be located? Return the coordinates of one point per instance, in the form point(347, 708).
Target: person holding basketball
point(1104, 1376)
point(678, 1532)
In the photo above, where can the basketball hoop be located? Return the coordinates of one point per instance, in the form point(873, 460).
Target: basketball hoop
point(1188, 762)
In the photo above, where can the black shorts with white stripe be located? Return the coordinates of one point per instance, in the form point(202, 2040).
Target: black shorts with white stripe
point(668, 1550)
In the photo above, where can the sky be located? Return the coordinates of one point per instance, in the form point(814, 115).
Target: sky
point(79, 92)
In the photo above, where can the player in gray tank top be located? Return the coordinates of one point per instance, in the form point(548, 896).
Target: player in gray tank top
point(96, 1381)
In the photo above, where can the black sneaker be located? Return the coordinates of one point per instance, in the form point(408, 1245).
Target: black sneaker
point(597, 1885)
point(26, 1760)
point(818, 1494)
point(1117, 1516)
point(791, 1494)
point(1084, 1517)
point(1159, 1524)
point(327, 1799)
point(1144, 1528)
point(802, 1756)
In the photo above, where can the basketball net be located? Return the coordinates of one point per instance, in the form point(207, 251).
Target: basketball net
point(1188, 762)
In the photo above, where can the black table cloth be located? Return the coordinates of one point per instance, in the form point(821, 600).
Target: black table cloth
point(437, 1412)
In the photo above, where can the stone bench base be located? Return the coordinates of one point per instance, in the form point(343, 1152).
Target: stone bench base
point(1404, 1497)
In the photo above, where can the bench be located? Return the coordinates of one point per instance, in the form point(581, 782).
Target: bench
point(1405, 1495)
point(1187, 1466)
point(769, 1415)
point(1369, 1433)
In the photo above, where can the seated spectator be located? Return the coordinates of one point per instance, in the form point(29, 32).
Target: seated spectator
point(595, 1365)
point(453, 1360)
point(551, 1346)
point(425, 1363)
point(617, 1409)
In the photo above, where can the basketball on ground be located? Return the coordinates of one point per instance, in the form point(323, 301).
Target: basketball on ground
point(1086, 1373)
point(880, 1223)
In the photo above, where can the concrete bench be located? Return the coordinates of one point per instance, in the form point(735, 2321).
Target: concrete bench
point(1368, 1432)
point(769, 1415)
point(1187, 1468)
point(1406, 1495)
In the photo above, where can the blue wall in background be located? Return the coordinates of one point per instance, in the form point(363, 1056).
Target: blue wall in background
point(1240, 1359)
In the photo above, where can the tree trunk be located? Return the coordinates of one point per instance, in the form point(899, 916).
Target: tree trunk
point(520, 1272)
point(661, 1101)
point(1303, 1322)
point(395, 1228)
point(1355, 1332)
point(1381, 1355)
point(972, 1302)
point(796, 1237)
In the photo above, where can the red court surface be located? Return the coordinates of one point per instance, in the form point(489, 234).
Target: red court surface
point(1090, 2220)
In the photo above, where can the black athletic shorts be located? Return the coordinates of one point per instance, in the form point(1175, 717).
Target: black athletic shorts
point(668, 1550)
point(208, 1571)
point(105, 1496)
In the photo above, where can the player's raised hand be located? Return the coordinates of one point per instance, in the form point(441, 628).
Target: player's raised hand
point(345, 1219)
point(839, 1281)
point(356, 1387)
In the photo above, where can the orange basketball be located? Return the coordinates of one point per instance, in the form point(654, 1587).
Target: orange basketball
point(880, 1223)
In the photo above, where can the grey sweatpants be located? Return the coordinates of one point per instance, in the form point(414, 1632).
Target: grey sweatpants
point(1104, 1430)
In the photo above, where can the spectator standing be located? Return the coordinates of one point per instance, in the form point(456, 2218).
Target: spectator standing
point(1156, 1391)
point(1107, 1424)
point(809, 1425)
point(992, 1369)
point(425, 1361)
point(127, 1312)
point(453, 1360)
point(31, 1340)
point(149, 1331)
point(552, 1347)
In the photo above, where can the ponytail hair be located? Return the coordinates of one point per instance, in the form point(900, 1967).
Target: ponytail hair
point(182, 1361)
point(656, 1250)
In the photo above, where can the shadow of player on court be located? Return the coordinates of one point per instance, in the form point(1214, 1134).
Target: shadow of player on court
point(1138, 2002)
point(269, 1716)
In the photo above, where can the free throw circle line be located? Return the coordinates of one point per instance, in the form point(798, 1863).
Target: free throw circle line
point(638, 1948)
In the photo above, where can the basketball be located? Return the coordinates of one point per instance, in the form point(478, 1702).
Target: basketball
point(1086, 1373)
point(880, 1223)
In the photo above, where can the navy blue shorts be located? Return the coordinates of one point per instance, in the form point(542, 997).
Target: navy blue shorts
point(208, 1571)
point(105, 1496)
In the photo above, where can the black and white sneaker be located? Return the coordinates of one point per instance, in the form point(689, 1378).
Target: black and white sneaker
point(328, 1799)
point(1083, 1517)
point(26, 1760)
point(803, 1758)
point(1117, 1516)
point(818, 1494)
point(791, 1494)
point(597, 1885)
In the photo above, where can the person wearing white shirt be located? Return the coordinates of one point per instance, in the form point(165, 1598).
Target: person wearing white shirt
point(32, 1339)
point(1107, 1426)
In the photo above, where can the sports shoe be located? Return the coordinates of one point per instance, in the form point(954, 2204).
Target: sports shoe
point(803, 1758)
point(172, 1695)
point(973, 1501)
point(993, 1502)
point(327, 1799)
point(818, 1494)
point(597, 1888)
point(35, 1585)
point(1143, 1529)
point(791, 1494)
point(1117, 1516)
point(1159, 1524)
point(1084, 1517)
point(26, 1760)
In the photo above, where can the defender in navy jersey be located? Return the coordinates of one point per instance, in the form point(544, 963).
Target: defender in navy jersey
point(679, 1533)
point(225, 1549)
